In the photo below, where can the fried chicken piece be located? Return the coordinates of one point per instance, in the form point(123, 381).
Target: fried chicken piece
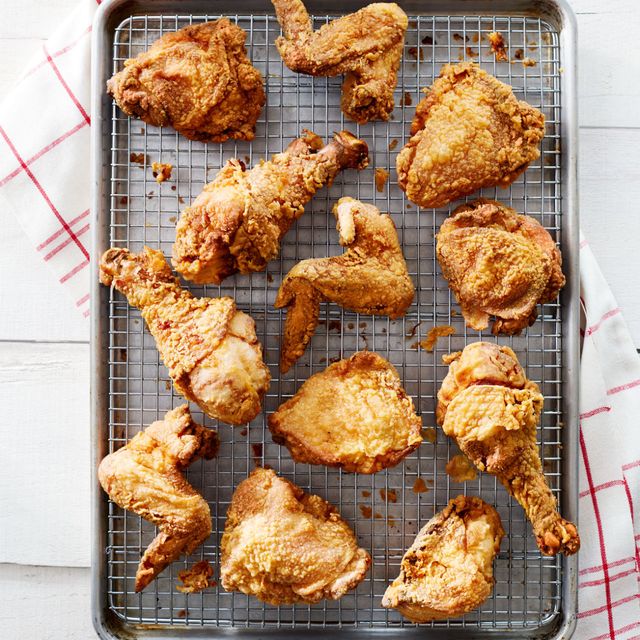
point(283, 545)
point(448, 570)
point(492, 411)
point(354, 415)
point(197, 80)
point(237, 222)
point(369, 277)
point(365, 45)
point(500, 263)
point(469, 132)
point(209, 347)
point(145, 477)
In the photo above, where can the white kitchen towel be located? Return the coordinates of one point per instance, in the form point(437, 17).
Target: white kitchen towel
point(44, 160)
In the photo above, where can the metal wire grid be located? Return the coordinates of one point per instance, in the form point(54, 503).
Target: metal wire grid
point(527, 591)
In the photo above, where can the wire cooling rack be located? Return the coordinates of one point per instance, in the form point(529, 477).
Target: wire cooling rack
point(527, 592)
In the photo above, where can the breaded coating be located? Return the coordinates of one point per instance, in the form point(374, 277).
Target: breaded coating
point(197, 80)
point(469, 132)
point(284, 546)
point(237, 222)
point(209, 347)
point(448, 570)
point(500, 263)
point(354, 415)
point(365, 45)
point(492, 414)
point(369, 277)
point(145, 477)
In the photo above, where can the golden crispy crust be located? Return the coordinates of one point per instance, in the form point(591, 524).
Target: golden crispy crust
point(354, 415)
point(469, 132)
point(284, 546)
point(209, 347)
point(448, 570)
point(369, 277)
point(197, 80)
point(492, 411)
point(365, 45)
point(238, 220)
point(498, 262)
point(145, 476)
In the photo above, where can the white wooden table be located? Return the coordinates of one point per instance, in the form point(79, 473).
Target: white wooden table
point(44, 350)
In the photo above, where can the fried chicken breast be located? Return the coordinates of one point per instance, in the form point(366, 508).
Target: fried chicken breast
point(145, 477)
point(500, 263)
point(369, 277)
point(492, 413)
point(354, 415)
point(469, 132)
point(237, 222)
point(448, 570)
point(197, 80)
point(209, 347)
point(365, 45)
point(284, 546)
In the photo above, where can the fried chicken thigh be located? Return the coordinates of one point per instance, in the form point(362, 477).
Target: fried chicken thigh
point(365, 45)
point(354, 415)
point(469, 132)
point(448, 570)
point(197, 80)
point(145, 477)
point(491, 410)
point(369, 277)
point(237, 222)
point(284, 546)
point(209, 347)
point(500, 263)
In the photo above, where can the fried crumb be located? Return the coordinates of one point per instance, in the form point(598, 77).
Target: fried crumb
point(365, 493)
point(335, 325)
point(180, 199)
point(412, 331)
point(138, 158)
point(161, 171)
point(167, 385)
point(257, 453)
point(365, 510)
point(172, 219)
point(472, 53)
point(244, 432)
point(391, 521)
point(496, 39)
point(476, 37)
point(197, 578)
point(529, 62)
point(406, 99)
point(389, 495)
point(322, 360)
point(429, 434)
point(518, 54)
point(453, 313)
point(461, 469)
point(173, 187)
point(393, 144)
point(182, 613)
point(151, 194)
point(269, 277)
point(459, 38)
point(350, 325)
point(416, 53)
point(247, 160)
point(362, 325)
point(434, 333)
point(381, 177)
point(532, 46)
point(377, 515)
point(419, 486)
point(414, 345)
point(124, 200)
point(335, 359)
point(427, 40)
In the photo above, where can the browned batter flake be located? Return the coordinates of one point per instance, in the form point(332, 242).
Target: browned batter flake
point(365, 510)
point(406, 100)
point(461, 469)
point(161, 171)
point(389, 495)
point(138, 158)
point(529, 62)
point(419, 486)
point(434, 333)
point(499, 48)
point(393, 144)
point(381, 177)
point(429, 434)
point(196, 579)
point(518, 54)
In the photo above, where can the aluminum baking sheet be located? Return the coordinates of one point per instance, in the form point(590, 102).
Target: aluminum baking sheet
point(533, 595)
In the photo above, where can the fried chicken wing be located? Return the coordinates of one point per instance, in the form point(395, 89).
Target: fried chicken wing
point(365, 45)
point(469, 132)
point(354, 415)
point(500, 263)
point(237, 222)
point(448, 570)
point(209, 347)
point(491, 410)
point(145, 477)
point(197, 80)
point(283, 545)
point(369, 277)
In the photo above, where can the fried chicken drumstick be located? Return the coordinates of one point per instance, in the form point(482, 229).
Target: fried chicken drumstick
point(283, 545)
point(369, 277)
point(237, 222)
point(498, 262)
point(354, 415)
point(197, 80)
point(365, 45)
point(145, 477)
point(491, 410)
point(469, 132)
point(209, 347)
point(448, 570)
